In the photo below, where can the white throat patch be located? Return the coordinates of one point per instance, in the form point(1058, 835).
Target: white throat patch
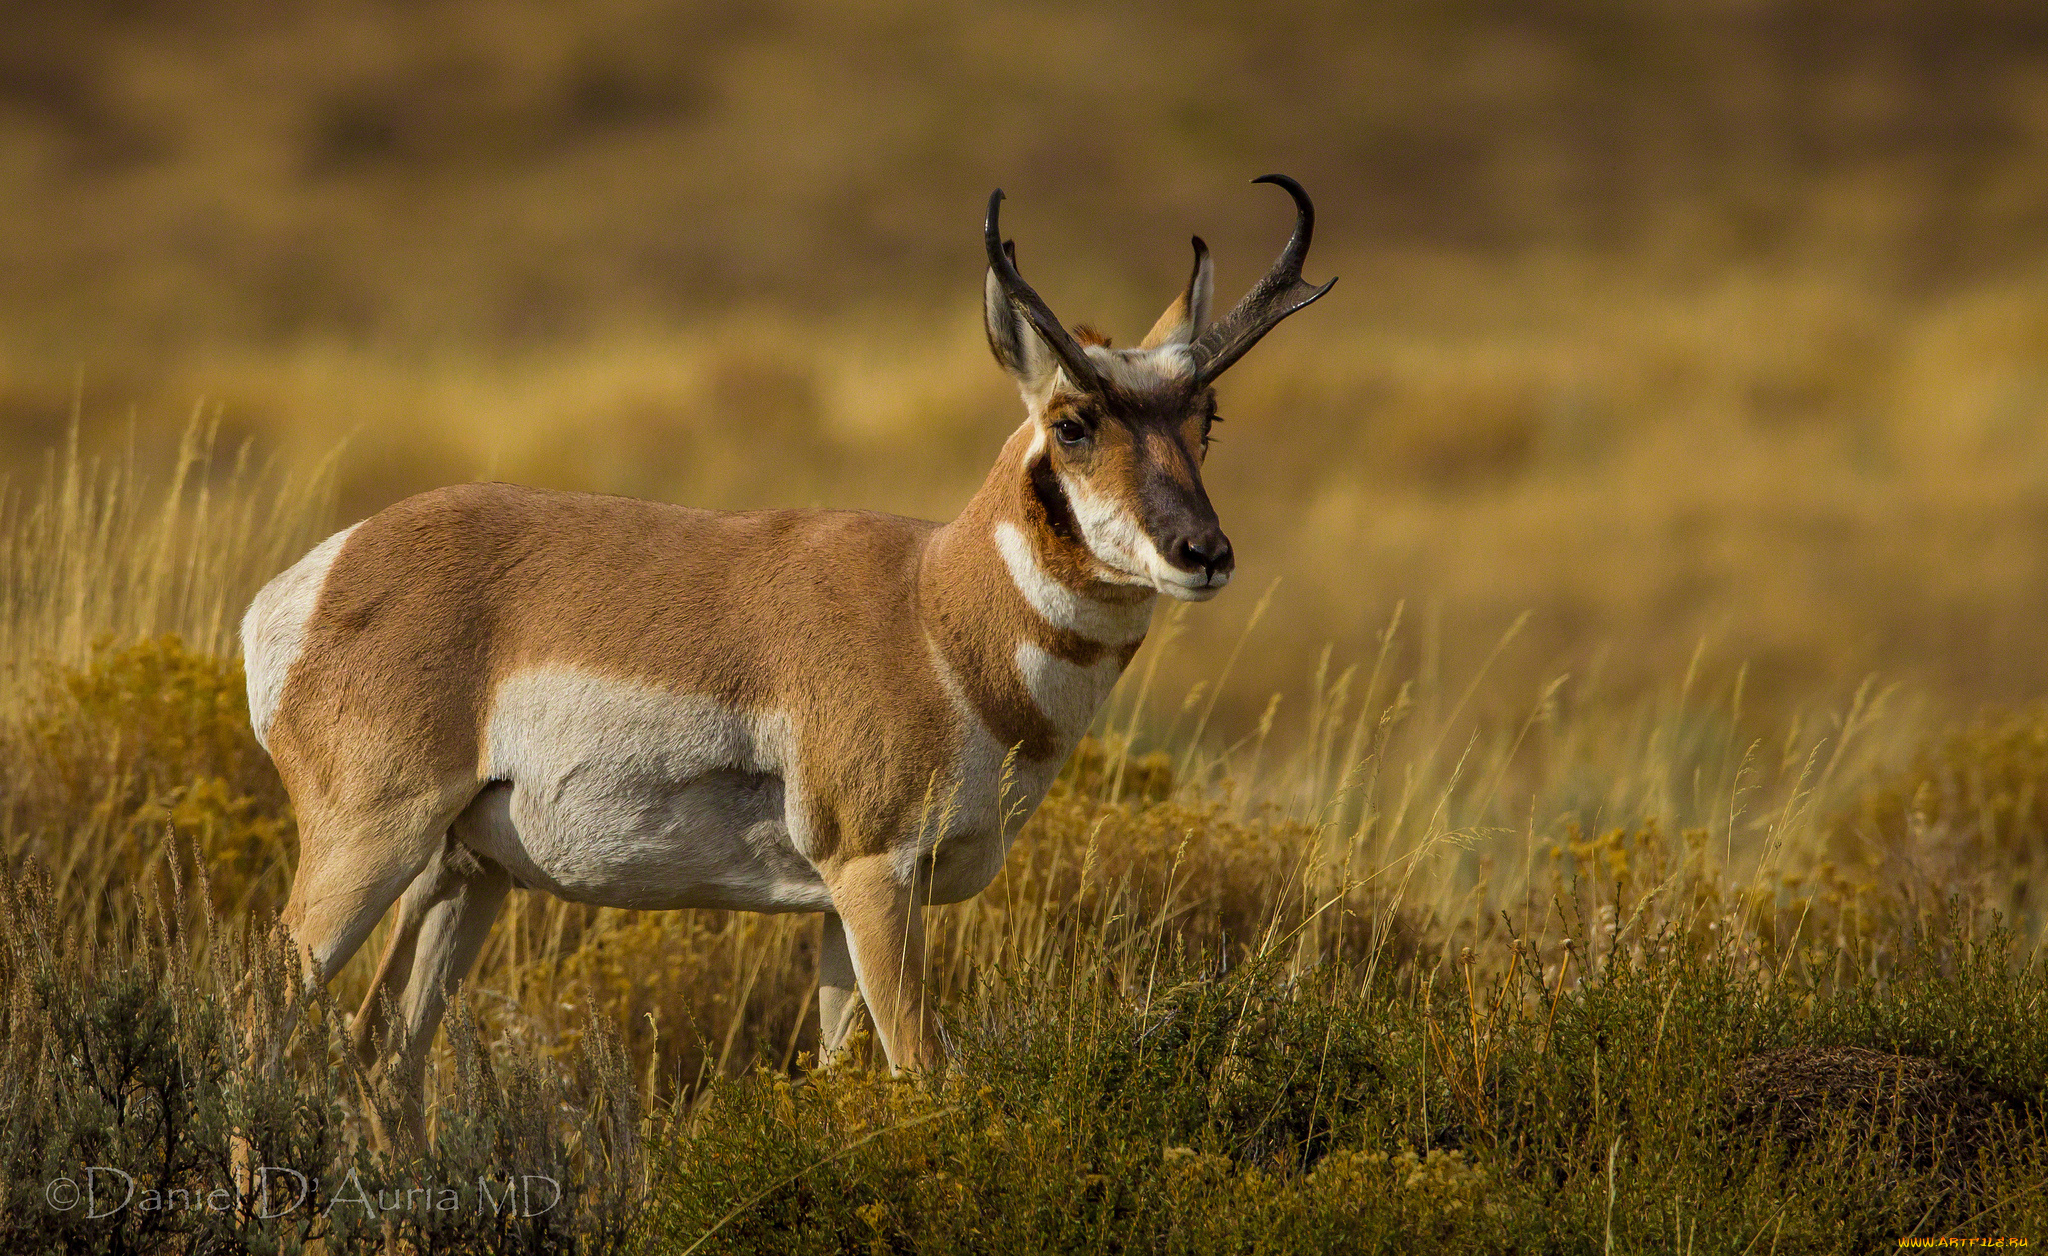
point(1068, 694)
point(1110, 623)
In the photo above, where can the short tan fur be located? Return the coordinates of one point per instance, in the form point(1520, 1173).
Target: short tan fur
point(649, 706)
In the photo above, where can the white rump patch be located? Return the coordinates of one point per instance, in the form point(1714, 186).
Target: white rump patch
point(274, 629)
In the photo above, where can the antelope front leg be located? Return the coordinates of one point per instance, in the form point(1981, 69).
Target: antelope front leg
point(882, 924)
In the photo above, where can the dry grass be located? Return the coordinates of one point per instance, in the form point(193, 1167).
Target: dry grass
point(1663, 323)
point(1399, 823)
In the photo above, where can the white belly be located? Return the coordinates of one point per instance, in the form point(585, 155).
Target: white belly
point(716, 841)
point(618, 794)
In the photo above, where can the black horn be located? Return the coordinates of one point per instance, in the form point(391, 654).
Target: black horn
point(1027, 302)
point(1280, 293)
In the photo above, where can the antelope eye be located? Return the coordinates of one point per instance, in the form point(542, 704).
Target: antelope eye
point(1069, 432)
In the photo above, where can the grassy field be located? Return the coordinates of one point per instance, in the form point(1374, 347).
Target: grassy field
point(1607, 815)
point(1607, 973)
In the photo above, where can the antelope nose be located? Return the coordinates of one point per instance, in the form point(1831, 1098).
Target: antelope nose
point(1207, 552)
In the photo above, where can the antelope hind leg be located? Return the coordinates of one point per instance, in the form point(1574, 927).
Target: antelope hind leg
point(838, 990)
point(443, 919)
point(350, 871)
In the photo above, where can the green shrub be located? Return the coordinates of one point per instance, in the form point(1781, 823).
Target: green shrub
point(131, 1065)
point(105, 761)
point(1240, 1111)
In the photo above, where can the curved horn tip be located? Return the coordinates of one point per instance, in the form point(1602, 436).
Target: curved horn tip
point(1201, 246)
point(1291, 187)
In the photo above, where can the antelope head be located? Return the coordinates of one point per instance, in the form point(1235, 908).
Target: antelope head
point(1119, 435)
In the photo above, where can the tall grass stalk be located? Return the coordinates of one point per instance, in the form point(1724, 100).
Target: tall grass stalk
point(114, 548)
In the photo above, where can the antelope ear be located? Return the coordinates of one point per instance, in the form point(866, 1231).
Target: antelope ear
point(1017, 346)
point(1189, 313)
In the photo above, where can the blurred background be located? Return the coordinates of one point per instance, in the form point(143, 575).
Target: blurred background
point(1707, 333)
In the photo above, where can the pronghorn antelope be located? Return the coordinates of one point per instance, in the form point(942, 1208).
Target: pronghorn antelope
point(647, 706)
